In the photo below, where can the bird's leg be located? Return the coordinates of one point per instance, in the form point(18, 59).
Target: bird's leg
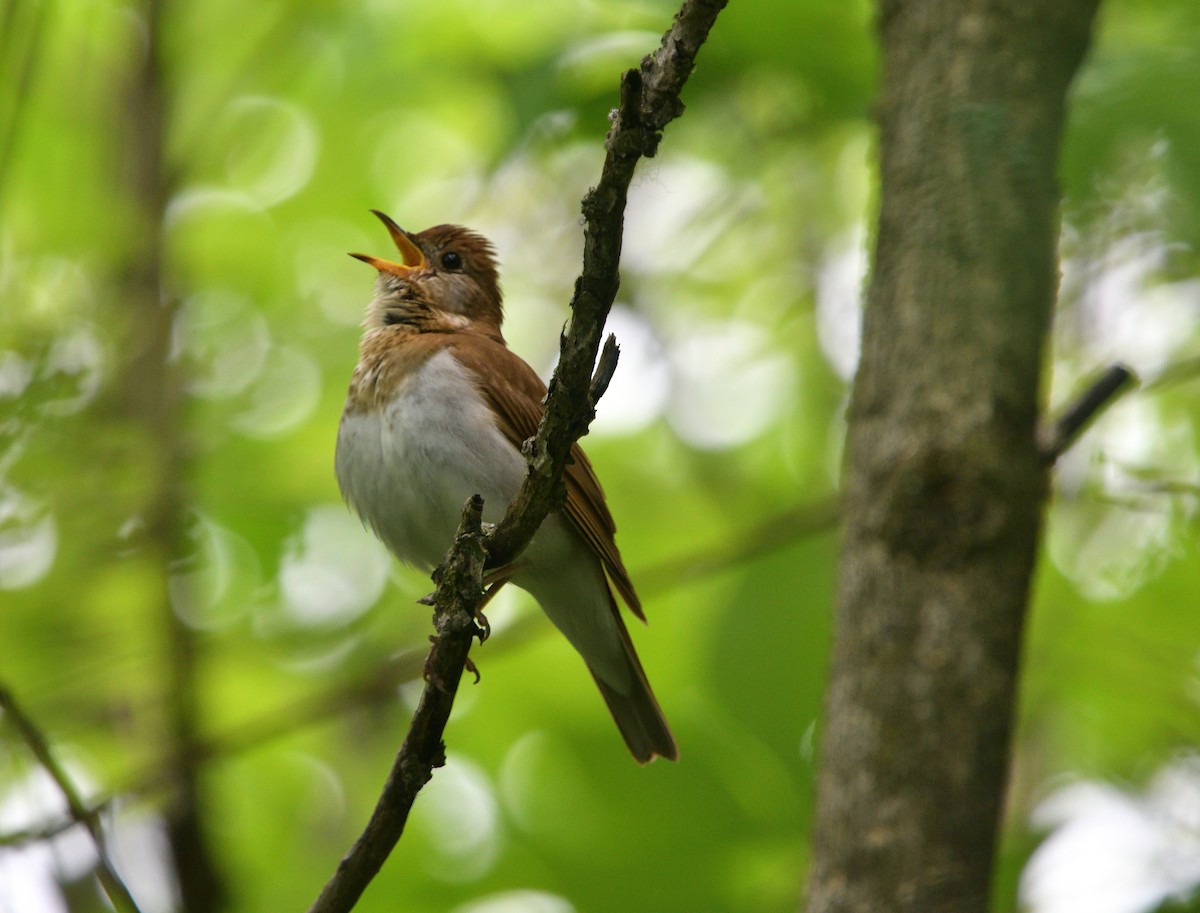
point(492, 580)
point(498, 575)
point(429, 673)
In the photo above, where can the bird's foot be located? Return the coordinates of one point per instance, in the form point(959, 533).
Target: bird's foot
point(433, 678)
point(483, 627)
point(429, 673)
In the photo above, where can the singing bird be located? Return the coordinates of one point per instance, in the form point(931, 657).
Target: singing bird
point(437, 411)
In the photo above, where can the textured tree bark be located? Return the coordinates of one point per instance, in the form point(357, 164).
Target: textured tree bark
point(944, 488)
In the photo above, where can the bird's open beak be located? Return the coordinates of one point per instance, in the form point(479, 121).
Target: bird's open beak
point(412, 257)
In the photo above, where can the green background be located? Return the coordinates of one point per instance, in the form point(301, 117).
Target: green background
point(718, 445)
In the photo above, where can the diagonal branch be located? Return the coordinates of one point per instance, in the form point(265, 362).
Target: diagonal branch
point(649, 100)
point(78, 809)
point(1054, 440)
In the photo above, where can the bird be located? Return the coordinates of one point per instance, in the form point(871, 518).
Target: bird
point(437, 410)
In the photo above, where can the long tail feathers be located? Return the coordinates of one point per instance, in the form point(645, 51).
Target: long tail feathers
point(637, 713)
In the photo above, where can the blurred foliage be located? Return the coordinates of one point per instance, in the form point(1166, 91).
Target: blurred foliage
point(737, 316)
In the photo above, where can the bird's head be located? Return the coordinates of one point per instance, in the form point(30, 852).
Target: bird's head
point(447, 267)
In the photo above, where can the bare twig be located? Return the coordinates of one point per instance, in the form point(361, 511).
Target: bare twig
point(1055, 439)
point(649, 100)
point(605, 369)
point(79, 810)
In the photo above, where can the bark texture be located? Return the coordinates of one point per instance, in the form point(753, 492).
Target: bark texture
point(945, 486)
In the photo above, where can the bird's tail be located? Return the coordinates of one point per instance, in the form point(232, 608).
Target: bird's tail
point(637, 713)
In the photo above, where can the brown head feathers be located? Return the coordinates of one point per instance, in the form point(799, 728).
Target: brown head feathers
point(447, 264)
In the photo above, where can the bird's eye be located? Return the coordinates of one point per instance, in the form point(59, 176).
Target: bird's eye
point(452, 260)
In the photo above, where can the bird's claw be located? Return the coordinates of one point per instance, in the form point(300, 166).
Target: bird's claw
point(429, 673)
point(431, 676)
point(483, 629)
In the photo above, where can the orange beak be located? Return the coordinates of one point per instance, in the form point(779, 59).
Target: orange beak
point(412, 257)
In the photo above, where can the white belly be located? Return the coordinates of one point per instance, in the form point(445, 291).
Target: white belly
point(408, 468)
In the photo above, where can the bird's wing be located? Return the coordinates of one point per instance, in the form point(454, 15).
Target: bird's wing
point(515, 393)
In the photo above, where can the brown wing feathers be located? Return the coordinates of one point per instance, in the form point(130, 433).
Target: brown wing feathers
point(587, 508)
point(515, 393)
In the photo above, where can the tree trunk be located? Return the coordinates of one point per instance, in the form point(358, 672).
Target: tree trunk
point(945, 487)
point(152, 397)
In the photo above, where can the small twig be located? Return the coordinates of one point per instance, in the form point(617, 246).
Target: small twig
point(46, 830)
point(79, 811)
point(605, 369)
point(1055, 439)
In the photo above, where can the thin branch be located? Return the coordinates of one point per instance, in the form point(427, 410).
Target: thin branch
point(1055, 440)
point(79, 811)
point(649, 100)
point(605, 369)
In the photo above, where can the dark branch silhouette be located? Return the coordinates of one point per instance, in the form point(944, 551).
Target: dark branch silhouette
point(79, 810)
point(1054, 440)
